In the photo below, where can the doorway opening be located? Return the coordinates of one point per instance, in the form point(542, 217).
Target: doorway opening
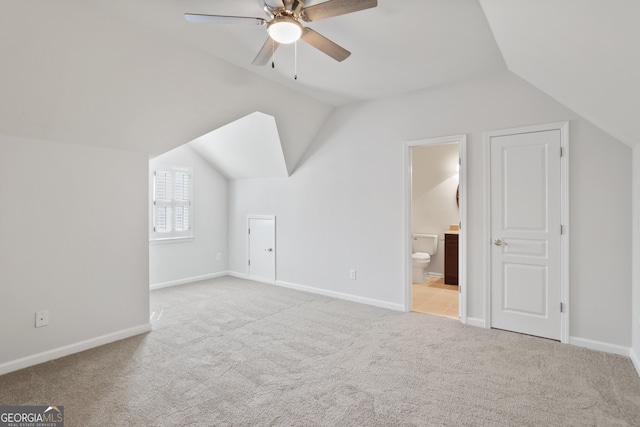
point(435, 251)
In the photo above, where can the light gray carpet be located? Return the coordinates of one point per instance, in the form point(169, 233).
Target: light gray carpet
point(231, 352)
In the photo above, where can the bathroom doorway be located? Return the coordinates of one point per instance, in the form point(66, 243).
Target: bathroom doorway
point(435, 249)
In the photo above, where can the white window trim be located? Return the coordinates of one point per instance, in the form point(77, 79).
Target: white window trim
point(172, 236)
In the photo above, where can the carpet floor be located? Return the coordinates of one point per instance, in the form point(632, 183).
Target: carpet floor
point(230, 352)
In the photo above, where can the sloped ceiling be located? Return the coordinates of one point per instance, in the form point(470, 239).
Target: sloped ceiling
point(73, 72)
point(397, 47)
point(135, 75)
point(246, 148)
point(583, 53)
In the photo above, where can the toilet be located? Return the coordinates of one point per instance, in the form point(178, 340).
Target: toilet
point(424, 247)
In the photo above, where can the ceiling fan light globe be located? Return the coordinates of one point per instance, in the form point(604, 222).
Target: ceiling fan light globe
point(284, 30)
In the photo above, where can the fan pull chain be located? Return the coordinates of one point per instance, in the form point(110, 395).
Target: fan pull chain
point(295, 60)
point(273, 52)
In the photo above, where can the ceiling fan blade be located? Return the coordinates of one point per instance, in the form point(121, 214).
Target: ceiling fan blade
point(222, 19)
point(325, 45)
point(266, 52)
point(333, 8)
point(274, 4)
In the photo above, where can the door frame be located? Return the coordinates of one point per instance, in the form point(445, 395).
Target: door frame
point(275, 248)
point(461, 140)
point(563, 127)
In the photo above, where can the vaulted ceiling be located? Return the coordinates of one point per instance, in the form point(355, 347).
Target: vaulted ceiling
point(397, 47)
point(134, 74)
point(583, 53)
point(246, 148)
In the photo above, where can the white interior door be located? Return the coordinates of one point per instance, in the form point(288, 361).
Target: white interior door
point(262, 249)
point(526, 232)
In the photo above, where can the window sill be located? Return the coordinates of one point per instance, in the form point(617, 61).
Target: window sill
point(170, 240)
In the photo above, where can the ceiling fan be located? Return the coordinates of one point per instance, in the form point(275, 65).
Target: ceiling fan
point(284, 25)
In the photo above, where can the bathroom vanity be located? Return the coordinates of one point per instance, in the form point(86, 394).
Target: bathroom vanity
point(451, 257)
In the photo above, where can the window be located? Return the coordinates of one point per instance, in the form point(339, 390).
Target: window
point(172, 210)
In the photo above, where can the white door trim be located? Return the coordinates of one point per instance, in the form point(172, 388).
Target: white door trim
point(275, 243)
point(563, 127)
point(461, 140)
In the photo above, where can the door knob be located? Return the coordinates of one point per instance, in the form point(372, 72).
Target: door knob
point(499, 242)
point(269, 249)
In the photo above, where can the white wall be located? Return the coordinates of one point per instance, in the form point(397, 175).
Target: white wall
point(635, 232)
point(434, 181)
point(600, 185)
point(179, 262)
point(73, 240)
point(343, 206)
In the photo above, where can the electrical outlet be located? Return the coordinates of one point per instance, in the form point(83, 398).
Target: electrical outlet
point(42, 318)
point(352, 274)
point(219, 257)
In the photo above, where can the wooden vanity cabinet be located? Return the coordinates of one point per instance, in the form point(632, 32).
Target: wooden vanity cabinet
point(451, 258)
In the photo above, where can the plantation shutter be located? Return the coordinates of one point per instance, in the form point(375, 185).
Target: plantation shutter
point(162, 202)
point(172, 204)
point(182, 202)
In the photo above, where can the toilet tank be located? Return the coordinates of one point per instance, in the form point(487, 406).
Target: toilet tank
point(425, 243)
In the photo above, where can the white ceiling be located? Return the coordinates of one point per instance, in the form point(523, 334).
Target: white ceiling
point(134, 74)
point(397, 47)
point(246, 148)
point(583, 53)
point(72, 71)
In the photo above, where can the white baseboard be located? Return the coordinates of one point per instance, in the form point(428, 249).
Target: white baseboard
point(635, 360)
point(319, 291)
point(249, 277)
point(436, 275)
point(343, 296)
point(187, 280)
point(59, 352)
point(260, 279)
point(474, 321)
point(583, 342)
point(600, 346)
point(238, 275)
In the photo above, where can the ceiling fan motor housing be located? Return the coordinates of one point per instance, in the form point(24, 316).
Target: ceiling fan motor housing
point(292, 8)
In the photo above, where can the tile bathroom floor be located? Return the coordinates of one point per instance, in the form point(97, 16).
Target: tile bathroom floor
point(434, 297)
